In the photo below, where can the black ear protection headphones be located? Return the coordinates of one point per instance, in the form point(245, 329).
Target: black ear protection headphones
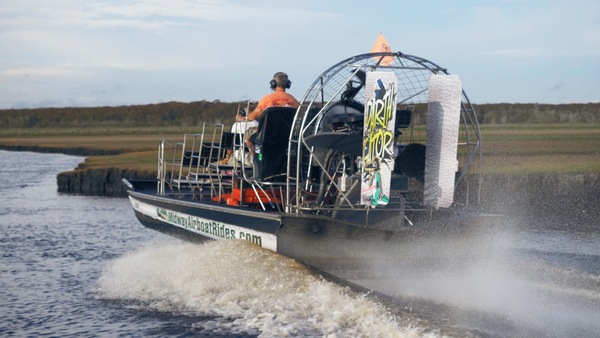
point(287, 83)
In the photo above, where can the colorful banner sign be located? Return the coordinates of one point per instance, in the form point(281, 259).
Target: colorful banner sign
point(378, 137)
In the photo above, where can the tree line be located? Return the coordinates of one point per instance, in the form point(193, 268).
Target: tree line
point(175, 114)
point(168, 114)
point(515, 113)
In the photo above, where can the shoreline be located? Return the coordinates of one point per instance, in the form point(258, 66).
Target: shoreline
point(75, 151)
point(86, 181)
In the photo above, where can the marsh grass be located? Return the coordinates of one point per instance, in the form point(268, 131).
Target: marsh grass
point(139, 161)
point(511, 149)
point(544, 149)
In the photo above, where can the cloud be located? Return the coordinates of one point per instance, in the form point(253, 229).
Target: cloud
point(145, 34)
point(59, 71)
point(147, 14)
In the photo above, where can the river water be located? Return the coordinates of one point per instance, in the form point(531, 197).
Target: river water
point(83, 266)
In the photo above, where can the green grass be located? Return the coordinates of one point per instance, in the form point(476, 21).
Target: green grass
point(512, 149)
point(552, 148)
point(142, 160)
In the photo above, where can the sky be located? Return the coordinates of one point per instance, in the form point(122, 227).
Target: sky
point(82, 53)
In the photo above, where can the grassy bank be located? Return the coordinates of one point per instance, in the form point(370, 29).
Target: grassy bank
point(507, 149)
point(543, 149)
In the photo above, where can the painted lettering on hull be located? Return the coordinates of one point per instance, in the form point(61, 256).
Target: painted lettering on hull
point(213, 229)
point(205, 227)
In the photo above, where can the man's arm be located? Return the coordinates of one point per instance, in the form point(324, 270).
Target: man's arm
point(254, 115)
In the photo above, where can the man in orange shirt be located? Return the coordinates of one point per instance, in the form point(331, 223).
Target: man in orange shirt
point(278, 98)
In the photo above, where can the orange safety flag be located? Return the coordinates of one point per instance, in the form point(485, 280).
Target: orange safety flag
point(381, 46)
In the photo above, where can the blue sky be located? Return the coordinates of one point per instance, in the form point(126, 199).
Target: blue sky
point(58, 53)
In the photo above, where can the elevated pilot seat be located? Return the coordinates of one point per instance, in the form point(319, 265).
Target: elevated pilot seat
point(270, 143)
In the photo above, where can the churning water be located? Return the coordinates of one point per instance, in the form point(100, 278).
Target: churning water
point(83, 266)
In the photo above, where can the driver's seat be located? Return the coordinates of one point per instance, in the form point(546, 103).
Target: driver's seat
point(271, 143)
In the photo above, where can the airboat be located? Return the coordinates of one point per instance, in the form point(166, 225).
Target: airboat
point(383, 149)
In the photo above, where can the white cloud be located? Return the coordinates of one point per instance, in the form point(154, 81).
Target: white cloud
point(205, 10)
point(147, 14)
point(58, 71)
point(142, 34)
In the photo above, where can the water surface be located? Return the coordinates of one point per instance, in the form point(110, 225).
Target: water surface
point(83, 266)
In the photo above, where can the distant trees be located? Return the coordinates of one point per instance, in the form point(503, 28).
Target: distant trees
point(161, 114)
point(502, 113)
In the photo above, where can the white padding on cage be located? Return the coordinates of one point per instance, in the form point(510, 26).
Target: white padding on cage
point(443, 119)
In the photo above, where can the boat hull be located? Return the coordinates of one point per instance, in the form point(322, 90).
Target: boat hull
point(196, 221)
point(321, 242)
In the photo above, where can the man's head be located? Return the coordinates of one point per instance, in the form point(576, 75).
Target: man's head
point(280, 79)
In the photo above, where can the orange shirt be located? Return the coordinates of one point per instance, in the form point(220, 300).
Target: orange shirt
point(278, 98)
